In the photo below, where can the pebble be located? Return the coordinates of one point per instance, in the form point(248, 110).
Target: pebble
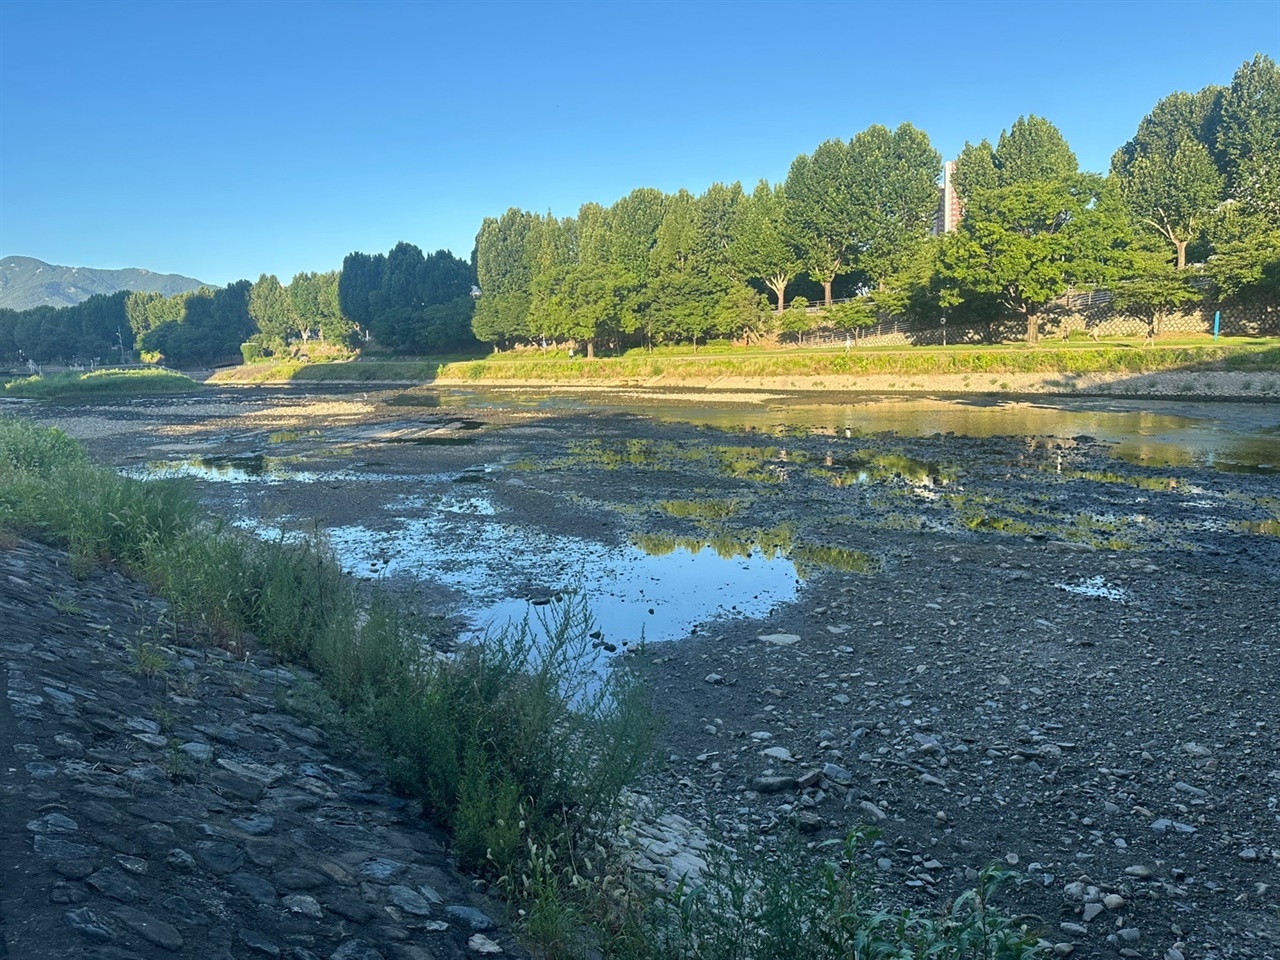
point(481, 944)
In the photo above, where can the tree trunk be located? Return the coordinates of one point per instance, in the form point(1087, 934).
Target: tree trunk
point(778, 286)
point(1182, 253)
point(1033, 328)
point(826, 291)
point(591, 349)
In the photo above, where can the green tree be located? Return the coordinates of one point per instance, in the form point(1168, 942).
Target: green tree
point(1247, 266)
point(1168, 174)
point(633, 224)
point(586, 303)
point(822, 218)
point(1020, 245)
point(895, 190)
point(1173, 195)
point(760, 248)
point(504, 264)
point(976, 169)
point(1033, 149)
point(1249, 138)
point(1154, 291)
point(718, 209)
point(742, 311)
point(272, 309)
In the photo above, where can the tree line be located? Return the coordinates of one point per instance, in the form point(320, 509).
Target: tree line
point(1189, 212)
point(1201, 177)
point(401, 302)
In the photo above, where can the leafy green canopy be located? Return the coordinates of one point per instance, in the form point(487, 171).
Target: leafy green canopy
point(407, 302)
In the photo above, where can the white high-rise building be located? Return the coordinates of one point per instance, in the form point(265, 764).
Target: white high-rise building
point(949, 210)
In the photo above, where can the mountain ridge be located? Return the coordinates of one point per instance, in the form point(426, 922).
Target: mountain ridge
point(26, 282)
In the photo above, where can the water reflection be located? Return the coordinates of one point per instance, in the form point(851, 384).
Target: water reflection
point(1226, 436)
point(631, 592)
point(254, 467)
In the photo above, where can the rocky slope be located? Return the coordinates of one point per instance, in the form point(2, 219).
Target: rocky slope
point(160, 800)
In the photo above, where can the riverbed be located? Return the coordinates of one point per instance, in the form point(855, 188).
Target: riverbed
point(1042, 632)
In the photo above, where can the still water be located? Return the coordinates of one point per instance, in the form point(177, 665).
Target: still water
point(1226, 436)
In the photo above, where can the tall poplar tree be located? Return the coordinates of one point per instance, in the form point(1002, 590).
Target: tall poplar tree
point(760, 247)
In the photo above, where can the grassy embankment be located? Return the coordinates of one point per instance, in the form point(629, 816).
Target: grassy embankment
point(806, 367)
point(98, 384)
point(520, 751)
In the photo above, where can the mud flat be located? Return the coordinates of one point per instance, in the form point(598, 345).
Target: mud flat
point(1025, 648)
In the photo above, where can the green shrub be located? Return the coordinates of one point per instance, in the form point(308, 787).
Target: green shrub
point(100, 383)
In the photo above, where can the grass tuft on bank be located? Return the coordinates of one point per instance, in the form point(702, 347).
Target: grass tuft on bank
point(98, 384)
point(778, 364)
point(514, 743)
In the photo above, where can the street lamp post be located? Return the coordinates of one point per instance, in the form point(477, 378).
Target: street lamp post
point(944, 331)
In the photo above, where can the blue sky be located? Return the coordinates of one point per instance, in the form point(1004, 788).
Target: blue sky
point(227, 139)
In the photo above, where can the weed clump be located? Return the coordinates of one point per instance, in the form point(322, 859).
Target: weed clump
point(100, 383)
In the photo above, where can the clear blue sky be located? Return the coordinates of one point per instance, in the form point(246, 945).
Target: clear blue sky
point(226, 139)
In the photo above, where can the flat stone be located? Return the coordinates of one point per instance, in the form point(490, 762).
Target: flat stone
point(299, 878)
point(258, 943)
point(254, 887)
point(773, 784)
point(381, 868)
point(780, 639)
point(149, 928)
point(73, 869)
point(53, 848)
point(408, 900)
point(219, 858)
point(349, 908)
point(779, 753)
point(179, 909)
point(87, 923)
point(479, 943)
point(837, 774)
point(199, 752)
point(256, 824)
point(112, 883)
point(871, 810)
point(356, 950)
point(475, 919)
point(179, 860)
point(53, 823)
point(300, 903)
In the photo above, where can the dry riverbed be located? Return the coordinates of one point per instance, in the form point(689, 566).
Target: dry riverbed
point(1017, 649)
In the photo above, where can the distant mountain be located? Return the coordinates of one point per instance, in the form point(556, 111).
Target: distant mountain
point(26, 282)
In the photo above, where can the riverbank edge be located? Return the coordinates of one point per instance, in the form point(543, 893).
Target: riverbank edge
point(1162, 385)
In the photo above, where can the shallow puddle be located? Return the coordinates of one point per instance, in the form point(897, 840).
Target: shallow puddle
point(253, 468)
point(632, 593)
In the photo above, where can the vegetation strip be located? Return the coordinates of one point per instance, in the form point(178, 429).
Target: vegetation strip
point(100, 383)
